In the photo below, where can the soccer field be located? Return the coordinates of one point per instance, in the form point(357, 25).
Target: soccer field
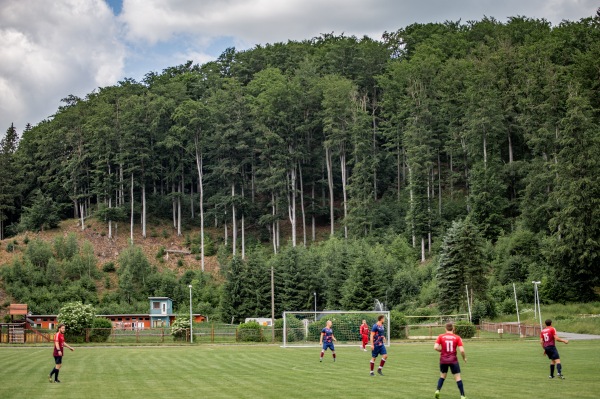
point(495, 369)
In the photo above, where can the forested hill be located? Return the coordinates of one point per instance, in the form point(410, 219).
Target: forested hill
point(476, 142)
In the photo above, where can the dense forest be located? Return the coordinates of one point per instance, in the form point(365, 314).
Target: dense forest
point(443, 155)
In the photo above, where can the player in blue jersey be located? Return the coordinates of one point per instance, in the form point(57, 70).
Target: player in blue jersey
point(326, 340)
point(378, 344)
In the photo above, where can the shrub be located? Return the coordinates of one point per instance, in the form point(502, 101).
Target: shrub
point(249, 332)
point(397, 324)
point(39, 253)
point(77, 317)
point(108, 267)
point(484, 309)
point(295, 329)
point(160, 253)
point(464, 329)
point(101, 330)
point(180, 328)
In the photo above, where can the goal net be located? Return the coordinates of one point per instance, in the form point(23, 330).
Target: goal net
point(303, 329)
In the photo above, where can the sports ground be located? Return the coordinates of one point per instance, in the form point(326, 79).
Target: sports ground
point(495, 369)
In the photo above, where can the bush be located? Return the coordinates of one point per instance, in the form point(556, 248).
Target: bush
point(295, 329)
point(397, 324)
point(101, 330)
point(160, 253)
point(464, 329)
point(180, 328)
point(108, 267)
point(484, 309)
point(39, 253)
point(77, 317)
point(249, 332)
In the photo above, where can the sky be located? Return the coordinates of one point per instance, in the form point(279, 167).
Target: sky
point(52, 49)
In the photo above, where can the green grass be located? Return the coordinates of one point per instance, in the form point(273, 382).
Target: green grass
point(566, 317)
point(495, 369)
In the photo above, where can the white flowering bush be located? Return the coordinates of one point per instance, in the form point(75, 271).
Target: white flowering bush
point(77, 317)
point(180, 327)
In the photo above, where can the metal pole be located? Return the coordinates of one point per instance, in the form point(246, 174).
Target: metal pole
point(191, 320)
point(315, 294)
point(468, 302)
point(537, 301)
point(273, 307)
point(517, 306)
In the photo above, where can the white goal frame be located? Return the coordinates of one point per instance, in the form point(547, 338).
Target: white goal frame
point(327, 314)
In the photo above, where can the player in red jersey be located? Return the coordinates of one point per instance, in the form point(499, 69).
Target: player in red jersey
point(59, 346)
point(447, 344)
point(364, 333)
point(548, 338)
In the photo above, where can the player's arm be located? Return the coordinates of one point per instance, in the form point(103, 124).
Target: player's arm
point(371, 339)
point(321, 338)
point(69, 346)
point(333, 337)
point(462, 353)
point(559, 339)
point(437, 347)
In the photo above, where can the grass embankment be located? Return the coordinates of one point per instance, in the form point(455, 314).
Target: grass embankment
point(573, 317)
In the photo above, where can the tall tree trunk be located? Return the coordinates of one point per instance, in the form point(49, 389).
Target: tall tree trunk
point(274, 226)
point(131, 222)
point(110, 221)
point(313, 218)
point(174, 204)
point(233, 221)
point(199, 165)
point(180, 189)
point(344, 190)
point(510, 148)
point(192, 198)
point(439, 184)
point(82, 216)
point(243, 230)
point(330, 184)
point(302, 204)
point(292, 202)
point(144, 214)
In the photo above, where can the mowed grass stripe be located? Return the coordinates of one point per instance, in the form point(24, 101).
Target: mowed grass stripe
point(495, 369)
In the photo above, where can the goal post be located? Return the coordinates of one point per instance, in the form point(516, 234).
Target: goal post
point(303, 329)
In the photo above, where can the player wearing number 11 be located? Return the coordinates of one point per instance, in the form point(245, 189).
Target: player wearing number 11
point(447, 344)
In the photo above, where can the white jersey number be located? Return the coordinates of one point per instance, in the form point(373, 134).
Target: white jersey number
point(449, 346)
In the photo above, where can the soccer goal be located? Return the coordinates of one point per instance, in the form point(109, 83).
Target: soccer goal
point(303, 329)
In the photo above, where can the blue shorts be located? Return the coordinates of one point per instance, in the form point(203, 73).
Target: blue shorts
point(551, 352)
point(328, 345)
point(379, 350)
point(58, 359)
point(454, 367)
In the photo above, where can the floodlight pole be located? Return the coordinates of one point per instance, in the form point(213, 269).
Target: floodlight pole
point(517, 306)
point(191, 320)
point(315, 294)
point(536, 300)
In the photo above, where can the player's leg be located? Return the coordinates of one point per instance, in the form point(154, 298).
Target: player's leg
point(443, 374)
point(383, 360)
point(57, 367)
point(323, 352)
point(559, 368)
point(374, 355)
point(455, 368)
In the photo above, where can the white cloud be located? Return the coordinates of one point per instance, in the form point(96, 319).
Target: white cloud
point(53, 49)
point(268, 21)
